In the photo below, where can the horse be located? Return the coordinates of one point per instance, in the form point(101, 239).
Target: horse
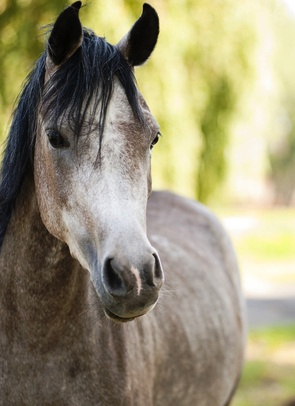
point(86, 317)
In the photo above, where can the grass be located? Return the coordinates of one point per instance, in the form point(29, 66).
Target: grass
point(265, 244)
point(269, 245)
point(269, 374)
point(263, 234)
point(271, 385)
point(272, 338)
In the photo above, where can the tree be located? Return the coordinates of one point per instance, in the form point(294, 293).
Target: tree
point(21, 42)
point(282, 137)
point(201, 68)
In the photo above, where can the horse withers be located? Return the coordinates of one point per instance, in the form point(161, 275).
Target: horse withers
point(81, 243)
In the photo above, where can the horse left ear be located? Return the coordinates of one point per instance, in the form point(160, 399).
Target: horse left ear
point(66, 36)
point(140, 41)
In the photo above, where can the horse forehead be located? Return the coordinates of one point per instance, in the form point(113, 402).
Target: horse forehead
point(121, 115)
point(119, 109)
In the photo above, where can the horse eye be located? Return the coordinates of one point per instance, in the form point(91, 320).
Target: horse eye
point(56, 140)
point(155, 140)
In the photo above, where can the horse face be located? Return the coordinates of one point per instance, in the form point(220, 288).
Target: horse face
point(92, 191)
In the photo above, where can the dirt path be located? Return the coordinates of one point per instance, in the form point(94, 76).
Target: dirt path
point(263, 312)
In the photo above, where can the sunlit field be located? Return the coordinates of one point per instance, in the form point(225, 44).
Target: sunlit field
point(265, 242)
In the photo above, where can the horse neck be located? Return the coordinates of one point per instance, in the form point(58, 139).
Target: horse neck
point(41, 284)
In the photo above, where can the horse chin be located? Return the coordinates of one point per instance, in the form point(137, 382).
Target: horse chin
point(118, 319)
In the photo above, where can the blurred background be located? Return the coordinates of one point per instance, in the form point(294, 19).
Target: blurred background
point(221, 83)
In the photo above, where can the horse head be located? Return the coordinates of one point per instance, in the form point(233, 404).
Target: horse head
point(92, 155)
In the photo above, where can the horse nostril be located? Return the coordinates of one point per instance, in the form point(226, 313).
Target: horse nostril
point(158, 267)
point(113, 279)
point(158, 272)
point(153, 272)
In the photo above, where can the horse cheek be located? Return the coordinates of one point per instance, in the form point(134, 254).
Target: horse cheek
point(45, 183)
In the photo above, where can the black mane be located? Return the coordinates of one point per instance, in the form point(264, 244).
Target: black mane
point(87, 75)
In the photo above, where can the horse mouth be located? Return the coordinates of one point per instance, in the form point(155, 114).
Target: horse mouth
point(116, 318)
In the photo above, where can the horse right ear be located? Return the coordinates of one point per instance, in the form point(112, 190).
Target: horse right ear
point(140, 41)
point(65, 38)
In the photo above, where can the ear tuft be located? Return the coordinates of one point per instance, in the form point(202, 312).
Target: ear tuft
point(66, 36)
point(140, 42)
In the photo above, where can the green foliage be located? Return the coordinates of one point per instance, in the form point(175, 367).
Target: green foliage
point(201, 68)
point(214, 132)
point(192, 83)
point(21, 42)
point(282, 139)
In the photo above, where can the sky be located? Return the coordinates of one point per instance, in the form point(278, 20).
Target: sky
point(290, 5)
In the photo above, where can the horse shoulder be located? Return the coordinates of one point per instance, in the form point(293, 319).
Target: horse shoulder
point(201, 310)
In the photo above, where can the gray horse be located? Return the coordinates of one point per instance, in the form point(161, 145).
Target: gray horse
point(81, 244)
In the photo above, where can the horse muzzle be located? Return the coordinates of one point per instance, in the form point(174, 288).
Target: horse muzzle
point(128, 290)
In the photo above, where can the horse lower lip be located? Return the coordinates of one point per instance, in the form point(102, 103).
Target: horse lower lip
point(116, 318)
